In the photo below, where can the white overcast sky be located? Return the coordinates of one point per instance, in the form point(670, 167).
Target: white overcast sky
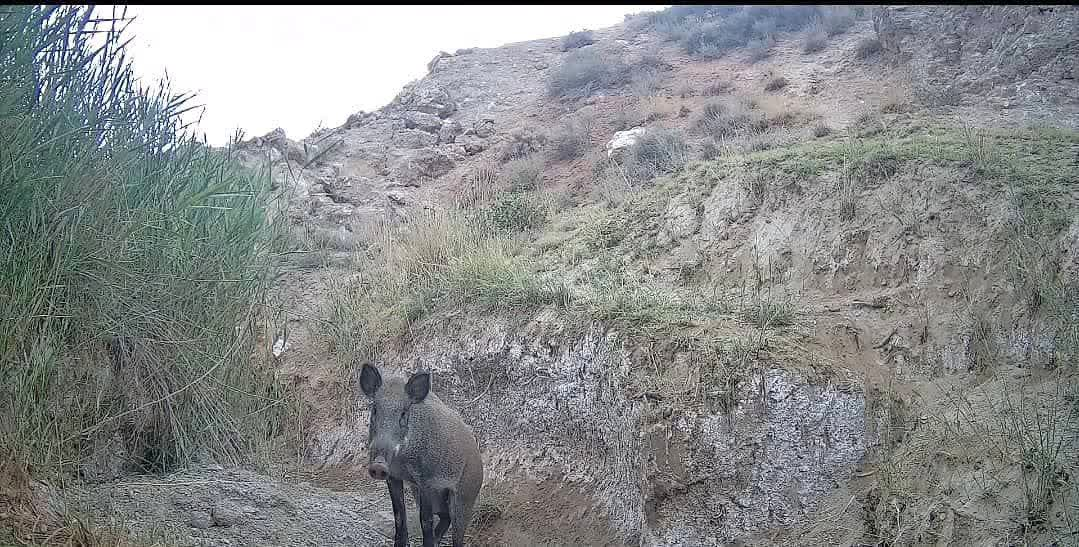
point(261, 67)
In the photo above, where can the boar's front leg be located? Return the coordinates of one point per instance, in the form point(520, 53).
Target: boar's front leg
point(400, 519)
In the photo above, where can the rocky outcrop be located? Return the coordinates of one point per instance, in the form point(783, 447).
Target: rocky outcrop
point(660, 469)
point(1016, 54)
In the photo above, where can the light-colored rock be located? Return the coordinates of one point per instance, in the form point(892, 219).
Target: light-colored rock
point(624, 139)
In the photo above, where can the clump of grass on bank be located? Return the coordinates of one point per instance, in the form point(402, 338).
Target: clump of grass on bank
point(135, 265)
point(435, 260)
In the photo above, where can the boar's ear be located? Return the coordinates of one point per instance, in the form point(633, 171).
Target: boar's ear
point(418, 386)
point(370, 380)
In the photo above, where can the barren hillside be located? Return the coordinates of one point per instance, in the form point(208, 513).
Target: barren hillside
point(823, 288)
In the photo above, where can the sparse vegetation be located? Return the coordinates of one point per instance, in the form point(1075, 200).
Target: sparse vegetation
point(759, 49)
point(576, 39)
point(716, 89)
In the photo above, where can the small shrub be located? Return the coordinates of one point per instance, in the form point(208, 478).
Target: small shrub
point(757, 185)
point(524, 173)
point(683, 112)
point(523, 142)
point(657, 153)
point(584, 71)
point(479, 186)
point(775, 83)
point(769, 312)
point(719, 88)
point(759, 49)
point(645, 82)
point(868, 47)
point(517, 211)
point(815, 40)
point(577, 39)
point(723, 119)
point(571, 139)
point(848, 205)
point(651, 59)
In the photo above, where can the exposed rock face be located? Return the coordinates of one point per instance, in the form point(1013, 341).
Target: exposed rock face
point(422, 121)
point(429, 99)
point(1016, 54)
point(421, 164)
point(660, 475)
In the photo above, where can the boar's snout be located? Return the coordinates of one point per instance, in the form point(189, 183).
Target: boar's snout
point(378, 471)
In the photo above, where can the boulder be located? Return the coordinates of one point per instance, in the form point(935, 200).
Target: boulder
point(430, 100)
point(423, 121)
point(449, 131)
point(624, 139)
point(424, 163)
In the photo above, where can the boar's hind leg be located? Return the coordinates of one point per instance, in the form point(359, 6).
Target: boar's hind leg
point(427, 518)
point(460, 516)
point(443, 515)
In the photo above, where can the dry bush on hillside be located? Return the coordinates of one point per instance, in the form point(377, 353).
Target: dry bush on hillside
point(658, 152)
point(584, 71)
point(523, 142)
point(524, 173)
point(712, 31)
point(775, 83)
point(577, 39)
point(571, 138)
point(816, 39)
